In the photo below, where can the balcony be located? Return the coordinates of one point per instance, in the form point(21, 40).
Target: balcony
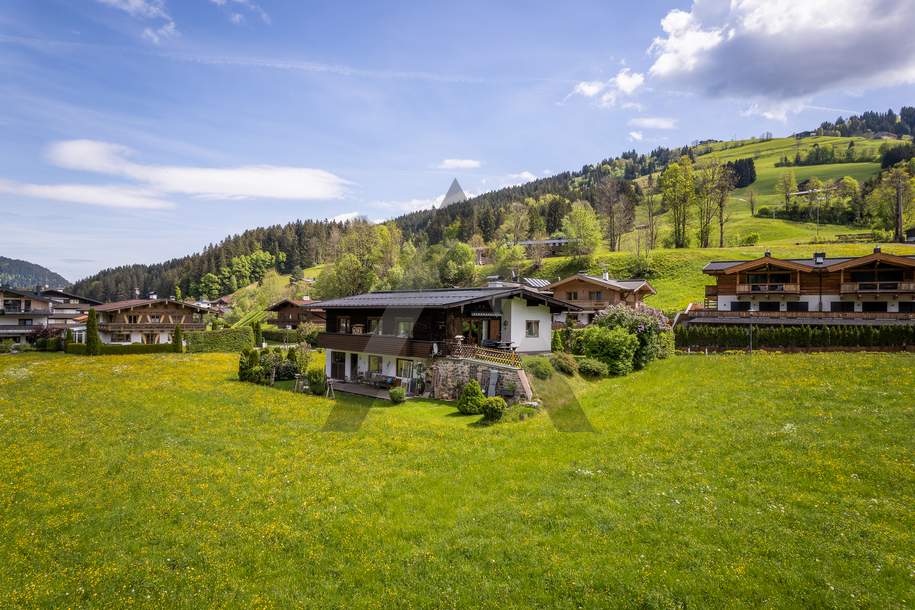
point(877, 287)
point(474, 352)
point(588, 304)
point(768, 289)
point(126, 327)
point(388, 345)
point(841, 315)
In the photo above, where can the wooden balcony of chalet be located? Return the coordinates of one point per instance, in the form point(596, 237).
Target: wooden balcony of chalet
point(878, 287)
point(391, 345)
point(841, 315)
point(588, 304)
point(768, 288)
point(126, 327)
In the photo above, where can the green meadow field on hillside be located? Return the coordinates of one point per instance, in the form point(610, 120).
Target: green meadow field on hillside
point(161, 481)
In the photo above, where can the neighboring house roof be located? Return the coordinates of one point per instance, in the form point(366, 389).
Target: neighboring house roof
point(28, 294)
point(69, 295)
point(800, 264)
point(131, 303)
point(442, 298)
point(632, 285)
point(535, 282)
point(296, 302)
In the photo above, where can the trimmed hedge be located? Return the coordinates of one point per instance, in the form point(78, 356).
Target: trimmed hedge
point(114, 349)
point(738, 337)
point(308, 334)
point(538, 366)
point(225, 340)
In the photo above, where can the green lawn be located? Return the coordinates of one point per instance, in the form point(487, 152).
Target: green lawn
point(159, 480)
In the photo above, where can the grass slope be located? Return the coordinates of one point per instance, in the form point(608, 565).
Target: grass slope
point(178, 486)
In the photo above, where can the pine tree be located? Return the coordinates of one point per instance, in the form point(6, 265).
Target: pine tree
point(178, 340)
point(93, 342)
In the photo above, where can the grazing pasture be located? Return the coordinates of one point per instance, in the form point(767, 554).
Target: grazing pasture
point(159, 480)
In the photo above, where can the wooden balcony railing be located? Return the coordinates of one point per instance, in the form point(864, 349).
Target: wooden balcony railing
point(589, 304)
point(157, 327)
point(844, 315)
point(768, 289)
point(878, 287)
point(497, 356)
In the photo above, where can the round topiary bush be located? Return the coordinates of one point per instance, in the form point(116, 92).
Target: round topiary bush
point(398, 395)
point(494, 408)
point(590, 367)
point(564, 363)
point(614, 347)
point(538, 366)
point(472, 399)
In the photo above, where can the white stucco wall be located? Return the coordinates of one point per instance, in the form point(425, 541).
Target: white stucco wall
point(813, 300)
point(515, 313)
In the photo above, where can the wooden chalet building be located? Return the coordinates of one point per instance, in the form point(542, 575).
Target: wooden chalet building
point(875, 289)
point(290, 313)
point(397, 335)
point(149, 321)
point(22, 312)
point(593, 294)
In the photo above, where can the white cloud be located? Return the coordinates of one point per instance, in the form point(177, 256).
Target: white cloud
point(112, 196)
point(459, 164)
point(151, 10)
point(236, 17)
point(346, 217)
point(407, 205)
point(261, 181)
point(653, 122)
point(625, 83)
point(777, 54)
point(635, 136)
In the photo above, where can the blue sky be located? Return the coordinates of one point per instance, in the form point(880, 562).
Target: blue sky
point(140, 130)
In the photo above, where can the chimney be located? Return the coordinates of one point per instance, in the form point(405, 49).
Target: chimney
point(876, 249)
point(606, 275)
point(768, 252)
point(819, 258)
point(136, 293)
point(152, 296)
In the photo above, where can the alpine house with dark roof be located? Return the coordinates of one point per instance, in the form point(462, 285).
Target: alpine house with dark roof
point(398, 333)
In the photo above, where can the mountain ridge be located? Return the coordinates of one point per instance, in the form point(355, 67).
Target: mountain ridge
point(24, 274)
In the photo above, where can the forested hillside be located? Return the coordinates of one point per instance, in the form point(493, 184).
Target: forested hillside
point(712, 193)
point(23, 274)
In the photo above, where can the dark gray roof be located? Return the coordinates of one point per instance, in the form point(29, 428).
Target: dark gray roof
point(809, 262)
point(70, 295)
point(28, 294)
point(621, 284)
point(440, 298)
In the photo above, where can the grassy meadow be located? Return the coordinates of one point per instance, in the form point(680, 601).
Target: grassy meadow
point(740, 481)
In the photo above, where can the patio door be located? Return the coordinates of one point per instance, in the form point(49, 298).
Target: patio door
point(353, 365)
point(338, 365)
point(495, 329)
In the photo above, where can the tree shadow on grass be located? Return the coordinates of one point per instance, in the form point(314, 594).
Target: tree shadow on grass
point(348, 415)
point(562, 406)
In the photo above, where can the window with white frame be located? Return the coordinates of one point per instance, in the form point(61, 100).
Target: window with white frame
point(532, 328)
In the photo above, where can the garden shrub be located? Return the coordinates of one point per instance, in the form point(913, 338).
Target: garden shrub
point(538, 366)
point(615, 347)
point(557, 344)
point(666, 345)
point(750, 239)
point(564, 363)
point(494, 408)
point(25, 347)
point(6, 347)
point(225, 340)
point(589, 367)
point(738, 337)
point(398, 395)
point(115, 349)
point(178, 340)
point(304, 334)
point(471, 399)
point(645, 323)
point(316, 381)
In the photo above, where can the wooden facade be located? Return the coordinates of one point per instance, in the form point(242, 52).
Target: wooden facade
point(594, 293)
point(876, 286)
point(290, 313)
point(147, 320)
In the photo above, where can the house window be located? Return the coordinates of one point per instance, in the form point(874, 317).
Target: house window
point(907, 306)
point(798, 306)
point(150, 338)
point(404, 327)
point(120, 338)
point(840, 306)
point(374, 364)
point(768, 306)
point(195, 317)
point(25, 322)
point(572, 295)
point(133, 319)
point(404, 368)
point(873, 306)
point(343, 325)
point(532, 328)
point(596, 295)
point(374, 326)
point(155, 318)
point(740, 306)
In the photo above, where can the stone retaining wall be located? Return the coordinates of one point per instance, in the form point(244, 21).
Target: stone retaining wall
point(450, 375)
